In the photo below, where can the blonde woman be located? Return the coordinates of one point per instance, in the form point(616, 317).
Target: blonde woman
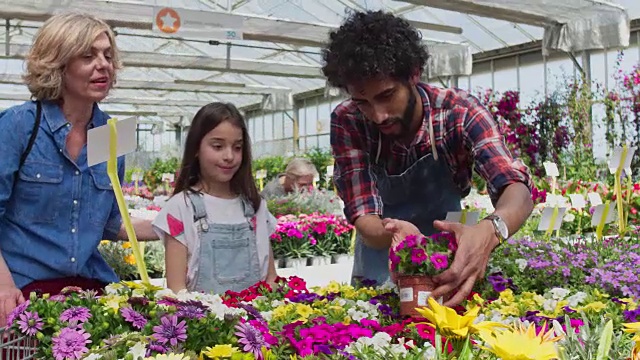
point(54, 209)
point(298, 174)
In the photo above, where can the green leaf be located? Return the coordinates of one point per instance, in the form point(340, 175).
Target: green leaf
point(605, 341)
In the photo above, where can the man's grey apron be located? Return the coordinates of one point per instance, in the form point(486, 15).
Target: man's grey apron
point(228, 258)
point(424, 192)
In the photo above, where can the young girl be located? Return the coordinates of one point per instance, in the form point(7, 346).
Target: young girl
point(216, 227)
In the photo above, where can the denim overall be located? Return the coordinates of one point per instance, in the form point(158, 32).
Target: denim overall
point(424, 192)
point(228, 258)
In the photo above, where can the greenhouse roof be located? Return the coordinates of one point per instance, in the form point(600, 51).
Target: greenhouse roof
point(182, 54)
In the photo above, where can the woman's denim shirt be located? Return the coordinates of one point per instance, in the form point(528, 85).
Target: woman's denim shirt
point(55, 212)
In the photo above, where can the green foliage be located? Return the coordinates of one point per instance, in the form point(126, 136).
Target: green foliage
point(153, 176)
point(273, 164)
point(321, 158)
point(129, 171)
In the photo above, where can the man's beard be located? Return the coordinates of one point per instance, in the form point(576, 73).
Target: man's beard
point(407, 117)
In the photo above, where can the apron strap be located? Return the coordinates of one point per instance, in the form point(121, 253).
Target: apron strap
point(432, 138)
point(199, 210)
point(249, 213)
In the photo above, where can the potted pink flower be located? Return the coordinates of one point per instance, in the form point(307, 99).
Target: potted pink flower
point(415, 261)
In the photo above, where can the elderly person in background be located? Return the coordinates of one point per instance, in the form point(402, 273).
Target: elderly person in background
point(54, 208)
point(299, 174)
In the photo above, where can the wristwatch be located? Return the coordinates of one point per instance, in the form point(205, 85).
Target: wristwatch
point(502, 231)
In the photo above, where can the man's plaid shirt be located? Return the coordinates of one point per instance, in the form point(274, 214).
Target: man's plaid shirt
point(465, 133)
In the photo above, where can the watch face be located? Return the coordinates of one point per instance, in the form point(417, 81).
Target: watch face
point(502, 228)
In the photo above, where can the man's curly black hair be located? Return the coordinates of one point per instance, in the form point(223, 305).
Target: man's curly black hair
point(373, 44)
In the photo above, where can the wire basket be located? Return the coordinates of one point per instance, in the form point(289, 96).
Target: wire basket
point(15, 346)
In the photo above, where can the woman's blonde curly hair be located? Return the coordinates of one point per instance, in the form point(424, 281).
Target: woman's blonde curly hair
point(61, 38)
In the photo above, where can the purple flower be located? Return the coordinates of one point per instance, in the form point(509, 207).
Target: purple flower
point(17, 311)
point(170, 330)
point(136, 319)
point(251, 339)
point(70, 344)
point(155, 347)
point(75, 315)
point(191, 310)
point(30, 323)
point(58, 298)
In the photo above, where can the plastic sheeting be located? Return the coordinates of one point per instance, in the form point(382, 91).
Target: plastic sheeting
point(570, 25)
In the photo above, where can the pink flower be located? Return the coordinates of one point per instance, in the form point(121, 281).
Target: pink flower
point(439, 261)
point(418, 256)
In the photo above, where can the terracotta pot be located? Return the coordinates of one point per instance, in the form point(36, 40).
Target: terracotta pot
point(414, 291)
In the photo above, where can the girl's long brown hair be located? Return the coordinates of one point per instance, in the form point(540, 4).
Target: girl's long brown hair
point(207, 119)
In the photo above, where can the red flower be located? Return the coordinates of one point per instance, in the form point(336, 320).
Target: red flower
point(297, 283)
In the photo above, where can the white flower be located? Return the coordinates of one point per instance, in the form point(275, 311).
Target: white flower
point(576, 299)
point(113, 288)
point(549, 304)
point(559, 293)
point(522, 264)
point(569, 217)
point(267, 315)
point(138, 351)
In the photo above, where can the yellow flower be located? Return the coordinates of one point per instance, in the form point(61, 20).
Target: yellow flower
point(333, 287)
point(219, 351)
point(126, 245)
point(510, 309)
point(113, 301)
point(507, 296)
point(520, 344)
point(105, 242)
point(595, 306)
point(130, 259)
point(633, 328)
point(452, 325)
point(133, 284)
point(304, 310)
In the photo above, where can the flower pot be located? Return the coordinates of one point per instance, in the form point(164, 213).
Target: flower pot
point(320, 260)
point(280, 262)
point(342, 258)
point(295, 262)
point(414, 291)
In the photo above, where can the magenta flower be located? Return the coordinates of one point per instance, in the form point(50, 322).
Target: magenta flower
point(439, 261)
point(136, 319)
point(170, 330)
point(418, 256)
point(30, 323)
point(75, 315)
point(70, 343)
point(251, 339)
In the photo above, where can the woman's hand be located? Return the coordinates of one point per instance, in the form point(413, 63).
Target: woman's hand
point(10, 297)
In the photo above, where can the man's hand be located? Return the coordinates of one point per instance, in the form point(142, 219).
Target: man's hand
point(475, 244)
point(400, 230)
point(10, 297)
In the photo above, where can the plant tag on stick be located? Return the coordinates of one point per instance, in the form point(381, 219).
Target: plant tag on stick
point(621, 159)
point(551, 219)
point(577, 201)
point(98, 141)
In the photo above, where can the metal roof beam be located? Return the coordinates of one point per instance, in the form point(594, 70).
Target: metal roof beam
point(123, 101)
point(180, 61)
point(186, 86)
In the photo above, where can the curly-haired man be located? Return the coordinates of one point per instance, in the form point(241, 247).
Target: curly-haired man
point(405, 153)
